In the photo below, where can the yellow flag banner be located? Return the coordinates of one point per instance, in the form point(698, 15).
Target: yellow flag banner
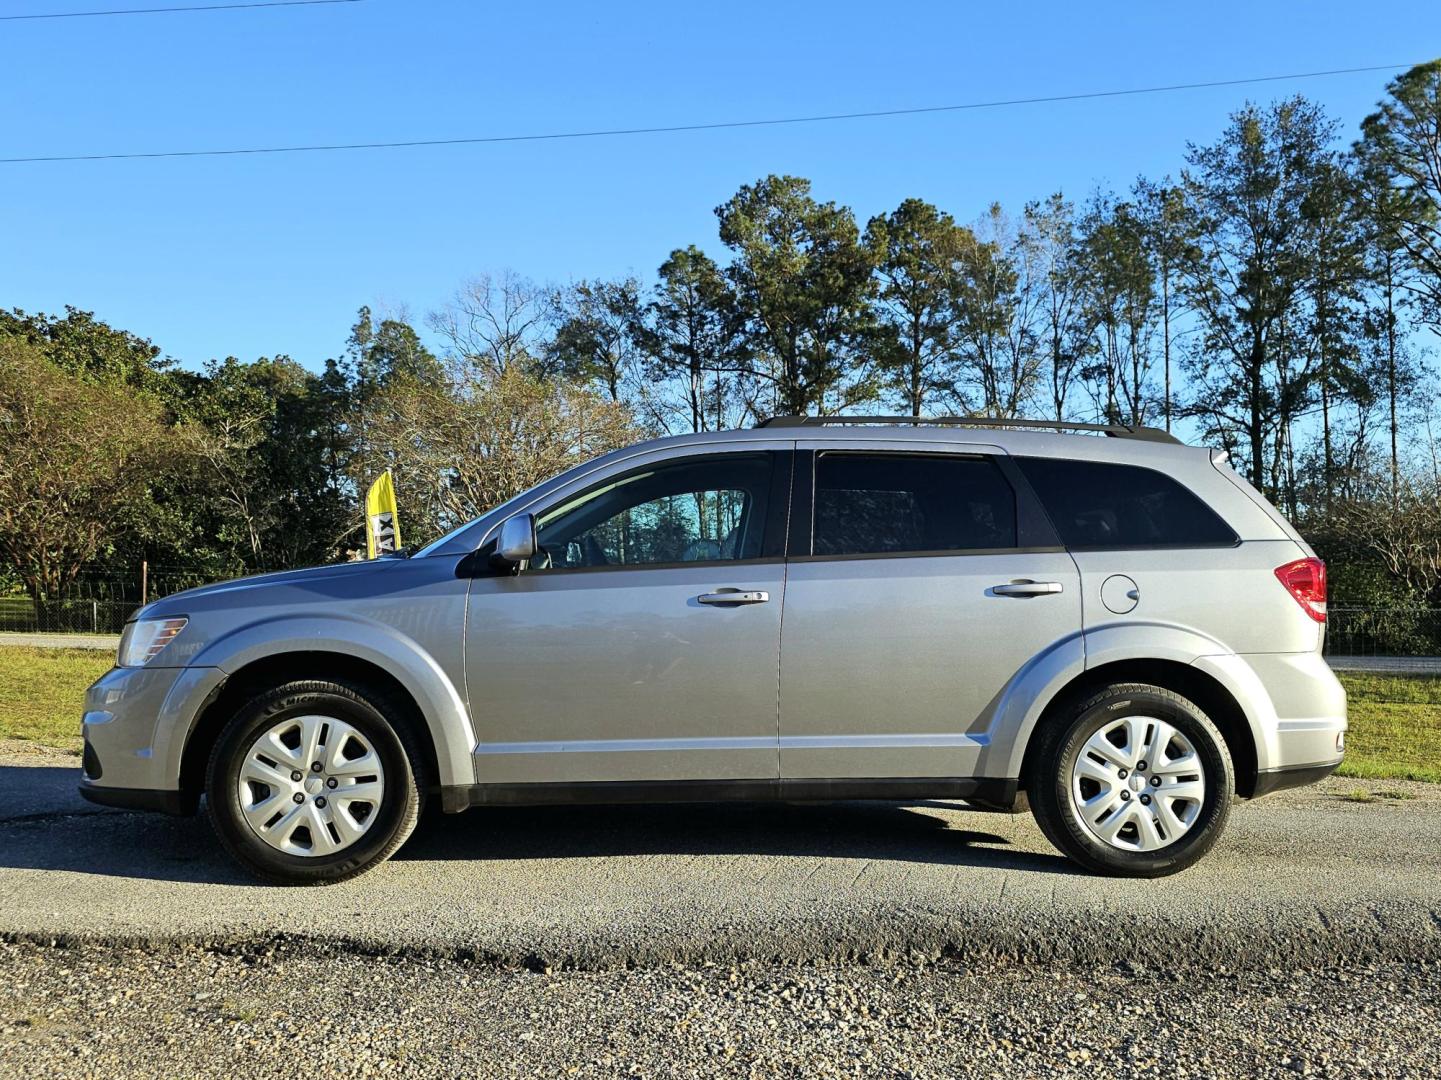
point(382, 522)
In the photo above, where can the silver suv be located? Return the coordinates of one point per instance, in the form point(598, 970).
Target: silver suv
point(1117, 631)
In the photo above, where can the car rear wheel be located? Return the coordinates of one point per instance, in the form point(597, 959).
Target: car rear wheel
point(1134, 781)
point(313, 783)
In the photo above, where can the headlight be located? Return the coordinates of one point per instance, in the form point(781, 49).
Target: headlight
point(142, 640)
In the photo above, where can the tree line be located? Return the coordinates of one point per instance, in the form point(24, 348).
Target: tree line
point(1277, 298)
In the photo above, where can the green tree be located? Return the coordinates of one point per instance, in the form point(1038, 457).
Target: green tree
point(1336, 240)
point(260, 434)
point(1244, 199)
point(915, 249)
point(693, 334)
point(598, 323)
point(1401, 142)
point(80, 344)
point(79, 451)
point(389, 349)
point(803, 280)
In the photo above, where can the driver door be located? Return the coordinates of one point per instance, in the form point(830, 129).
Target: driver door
point(614, 656)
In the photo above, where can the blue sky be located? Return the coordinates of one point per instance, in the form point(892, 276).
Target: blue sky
point(253, 256)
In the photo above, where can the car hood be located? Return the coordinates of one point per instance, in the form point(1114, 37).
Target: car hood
point(175, 603)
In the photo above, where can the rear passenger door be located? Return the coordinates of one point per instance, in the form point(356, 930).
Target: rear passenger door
point(918, 584)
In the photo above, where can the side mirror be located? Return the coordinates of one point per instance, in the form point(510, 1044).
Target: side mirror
point(516, 542)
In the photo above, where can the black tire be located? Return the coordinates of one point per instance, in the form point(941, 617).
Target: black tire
point(374, 717)
point(1061, 742)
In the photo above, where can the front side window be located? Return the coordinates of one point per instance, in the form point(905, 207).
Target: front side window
point(710, 509)
point(890, 504)
point(1097, 504)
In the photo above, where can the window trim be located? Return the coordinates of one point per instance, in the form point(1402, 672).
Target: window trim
point(1034, 533)
point(773, 534)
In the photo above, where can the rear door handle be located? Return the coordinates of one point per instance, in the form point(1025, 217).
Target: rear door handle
point(734, 596)
point(1027, 588)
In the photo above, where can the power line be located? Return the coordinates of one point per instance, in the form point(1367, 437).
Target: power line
point(673, 128)
point(167, 10)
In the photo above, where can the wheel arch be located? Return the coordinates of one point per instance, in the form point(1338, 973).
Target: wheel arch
point(1206, 691)
point(277, 669)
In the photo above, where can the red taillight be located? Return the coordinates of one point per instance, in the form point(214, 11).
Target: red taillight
point(1305, 579)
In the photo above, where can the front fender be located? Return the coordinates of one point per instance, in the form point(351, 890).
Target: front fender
point(440, 702)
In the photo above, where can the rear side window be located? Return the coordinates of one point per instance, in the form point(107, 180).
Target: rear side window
point(1097, 504)
point(888, 504)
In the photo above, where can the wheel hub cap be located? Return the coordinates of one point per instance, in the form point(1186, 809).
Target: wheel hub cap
point(294, 762)
point(1138, 784)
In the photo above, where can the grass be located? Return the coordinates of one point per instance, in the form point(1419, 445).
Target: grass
point(1395, 719)
point(42, 692)
point(1395, 729)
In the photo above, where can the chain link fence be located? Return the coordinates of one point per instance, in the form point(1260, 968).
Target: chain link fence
point(1389, 631)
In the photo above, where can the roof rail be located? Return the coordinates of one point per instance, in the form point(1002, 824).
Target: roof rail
point(1115, 431)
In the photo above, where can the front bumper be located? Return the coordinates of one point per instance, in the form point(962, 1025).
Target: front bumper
point(135, 724)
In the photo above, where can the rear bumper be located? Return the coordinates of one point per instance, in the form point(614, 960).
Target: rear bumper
point(1294, 704)
point(1296, 776)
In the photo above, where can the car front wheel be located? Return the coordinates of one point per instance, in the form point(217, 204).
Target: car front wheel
point(1134, 781)
point(312, 783)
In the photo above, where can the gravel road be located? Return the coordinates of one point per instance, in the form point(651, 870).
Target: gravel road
point(188, 1012)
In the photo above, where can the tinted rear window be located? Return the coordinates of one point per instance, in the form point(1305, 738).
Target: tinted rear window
point(886, 504)
point(1098, 505)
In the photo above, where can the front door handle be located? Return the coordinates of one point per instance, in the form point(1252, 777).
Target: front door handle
point(1027, 588)
point(734, 596)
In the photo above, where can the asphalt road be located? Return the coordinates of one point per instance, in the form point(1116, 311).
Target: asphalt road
point(1300, 879)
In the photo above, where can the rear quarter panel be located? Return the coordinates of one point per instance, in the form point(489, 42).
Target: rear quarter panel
point(1229, 595)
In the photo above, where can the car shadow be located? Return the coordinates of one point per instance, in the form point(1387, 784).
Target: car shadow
point(882, 831)
point(45, 825)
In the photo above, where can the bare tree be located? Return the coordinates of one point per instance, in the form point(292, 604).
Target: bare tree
point(495, 320)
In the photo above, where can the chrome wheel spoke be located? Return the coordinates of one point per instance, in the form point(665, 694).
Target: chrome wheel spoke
point(1179, 765)
point(1108, 829)
point(1103, 747)
point(1088, 768)
point(1170, 820)
point(1149, 837)
point(312, 728)
point(1161, 735)
point(259, 813)
point(369, 792)
point(365, 765)
point(259, 772)
point(1193, 790)
point(317, 823)
point(279, 834)
point(1136, 729)
point(349, 829)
